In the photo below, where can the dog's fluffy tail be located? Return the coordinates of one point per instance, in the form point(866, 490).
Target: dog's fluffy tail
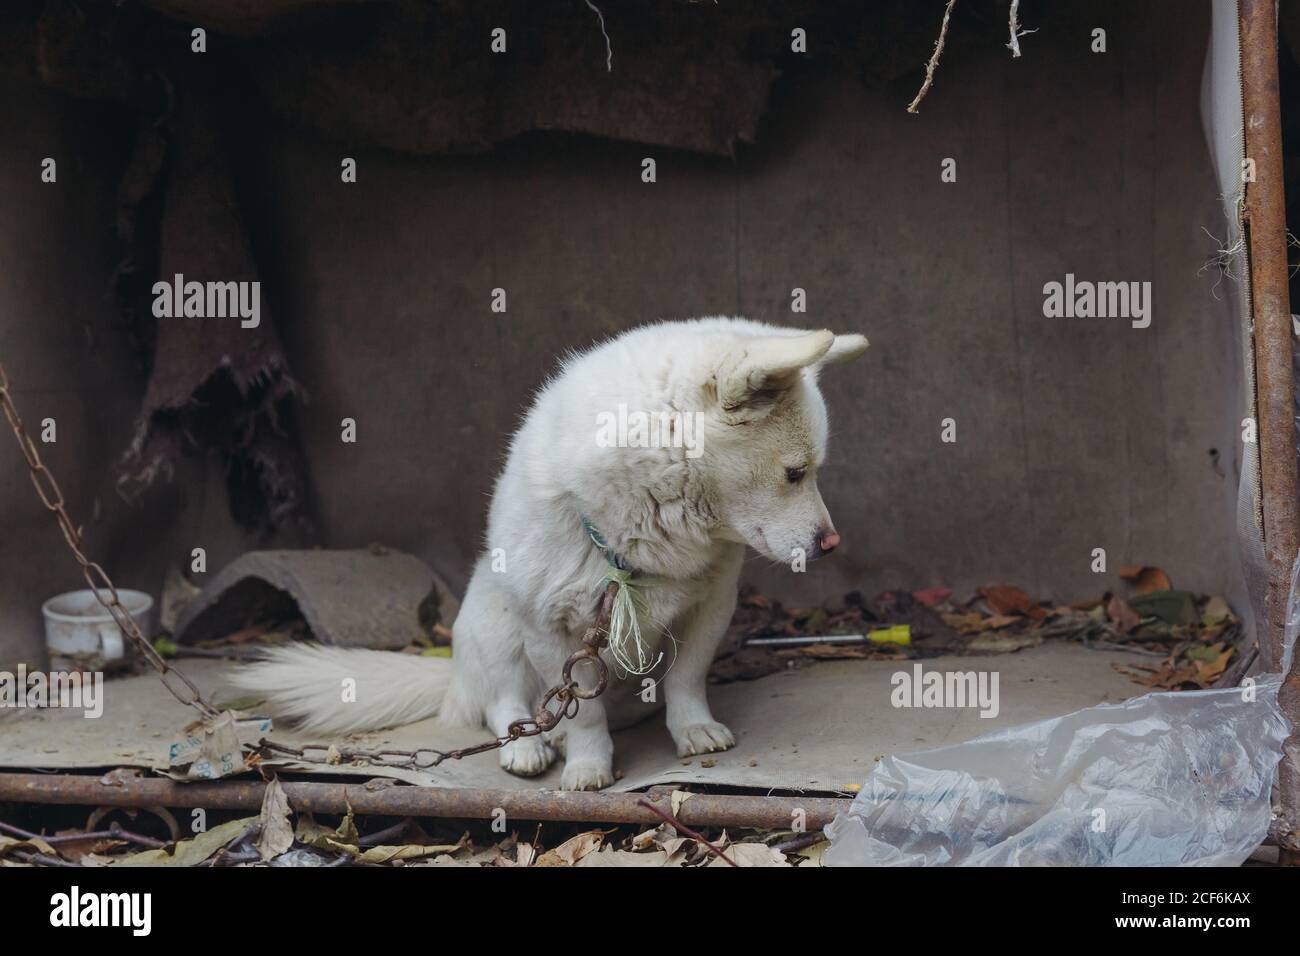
point(308, 683)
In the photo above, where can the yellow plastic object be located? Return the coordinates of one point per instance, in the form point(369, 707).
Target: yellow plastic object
point(898, 634)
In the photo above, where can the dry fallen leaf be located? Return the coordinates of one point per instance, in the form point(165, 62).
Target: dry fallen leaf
point(1003, 599)
point(323, 838)
point(645, 839)
point(1145, 578)
point(192, 852)
point(8, 843)
point(678, 851)
point(749, 854)
point(965, 623)
point(612, 857)
point(80, 851)
point(573, 849)
point(1207, 672)
point(277, 832)
point(932, 597)
point(1200, 667)
point(410, 851)
point(997, 621)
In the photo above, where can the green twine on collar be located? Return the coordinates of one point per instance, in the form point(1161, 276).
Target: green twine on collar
point(612, 559)
point(626, 645)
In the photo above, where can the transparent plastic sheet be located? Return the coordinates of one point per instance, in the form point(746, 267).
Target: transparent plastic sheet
point(1167, 779)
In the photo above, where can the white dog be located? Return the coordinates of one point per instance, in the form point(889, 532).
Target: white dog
point(677, 444)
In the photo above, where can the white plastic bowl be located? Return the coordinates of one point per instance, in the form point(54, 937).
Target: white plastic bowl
point(81, 634)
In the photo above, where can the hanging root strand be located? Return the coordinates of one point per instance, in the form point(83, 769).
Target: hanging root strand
point(1013, 22)
point(609, 47)
point(933, 62)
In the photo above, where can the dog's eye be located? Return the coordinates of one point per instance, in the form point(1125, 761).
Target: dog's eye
point(794, 475)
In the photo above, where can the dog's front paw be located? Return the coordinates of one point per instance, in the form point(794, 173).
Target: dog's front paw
point(586, 777)
point(703, 739)
point(559, 740)
point(527, 756)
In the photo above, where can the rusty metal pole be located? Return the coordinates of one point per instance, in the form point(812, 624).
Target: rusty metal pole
point(702, 809)
point(1265, 218)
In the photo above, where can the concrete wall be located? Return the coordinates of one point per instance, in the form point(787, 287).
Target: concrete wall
point(1073, 434)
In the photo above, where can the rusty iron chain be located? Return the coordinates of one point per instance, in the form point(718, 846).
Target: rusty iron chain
point(559, 703)
point(100, 584)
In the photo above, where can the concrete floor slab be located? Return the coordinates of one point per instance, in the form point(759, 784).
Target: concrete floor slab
point(820, 728)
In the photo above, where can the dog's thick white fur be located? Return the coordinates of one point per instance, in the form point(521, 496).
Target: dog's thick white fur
point(681, 513)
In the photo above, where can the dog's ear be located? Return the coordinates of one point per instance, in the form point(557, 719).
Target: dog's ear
point(761, 368)
point(845, 348)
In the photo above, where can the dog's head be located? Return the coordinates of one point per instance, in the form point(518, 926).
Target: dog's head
point(769, 441)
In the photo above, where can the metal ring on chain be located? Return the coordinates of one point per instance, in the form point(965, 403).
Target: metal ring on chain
point(602, 673)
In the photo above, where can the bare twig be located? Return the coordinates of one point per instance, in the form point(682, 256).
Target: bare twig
point(934, 59)
point(802, 842)
point(235, 849)
point(380, 837)
point(18, 831)
point(685, 830)
point(114, 832)
point(1126, 648)
point(40, 859)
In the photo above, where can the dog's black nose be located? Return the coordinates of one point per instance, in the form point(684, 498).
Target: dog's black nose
point(827, 540)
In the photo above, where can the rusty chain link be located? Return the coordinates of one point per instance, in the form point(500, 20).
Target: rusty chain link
point(565, 696)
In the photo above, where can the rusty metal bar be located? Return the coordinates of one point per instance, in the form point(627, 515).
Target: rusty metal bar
point(701, 810)
point(1265, 217)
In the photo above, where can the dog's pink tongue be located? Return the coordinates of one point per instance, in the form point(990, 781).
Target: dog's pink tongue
point(830, 540)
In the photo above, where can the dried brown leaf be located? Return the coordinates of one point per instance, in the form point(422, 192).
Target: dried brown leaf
point(1005, 600)
point(277, 830)
point(1145, 578)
